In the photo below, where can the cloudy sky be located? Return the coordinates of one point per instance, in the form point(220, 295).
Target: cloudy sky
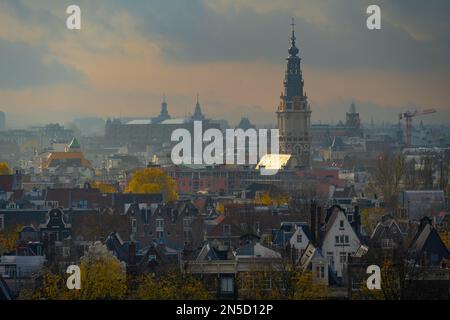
point(231, 52)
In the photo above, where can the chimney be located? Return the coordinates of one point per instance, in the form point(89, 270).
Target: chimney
point(319, 225)
point(313, 220)
point(357, 222)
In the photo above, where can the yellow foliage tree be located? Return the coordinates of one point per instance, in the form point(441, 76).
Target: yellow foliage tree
point(271, 199)
point(8, 239)
point(103, 277)
point(104, 187)
point(305, 288)
point(51, 287)
point(172, 286)
point(260, 285)
point(4, 169)
point(153, 180)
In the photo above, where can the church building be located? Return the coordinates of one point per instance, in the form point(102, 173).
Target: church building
point(294, 112)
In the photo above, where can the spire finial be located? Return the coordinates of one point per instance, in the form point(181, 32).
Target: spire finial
point(164, 97)
point(293, 51)
point(293, 30)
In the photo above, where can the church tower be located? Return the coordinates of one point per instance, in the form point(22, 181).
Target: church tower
point(198, 115)
point(294, 112)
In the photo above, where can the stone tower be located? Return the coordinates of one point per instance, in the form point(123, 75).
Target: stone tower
point(294, 112)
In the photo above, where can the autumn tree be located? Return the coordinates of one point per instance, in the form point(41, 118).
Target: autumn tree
point(305, 288)
point(153, 180)
point(103, 187)
point(268, 198)
point(51, 287)
point(172, 285)
point(9, 238)
point(398, 277)
point(389, 173)
point(4, 169)
point(261, 285)
point(103, 277)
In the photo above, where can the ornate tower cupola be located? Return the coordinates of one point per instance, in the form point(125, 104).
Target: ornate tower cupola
point(198, 115)
point(294, 112)
point(164, 114)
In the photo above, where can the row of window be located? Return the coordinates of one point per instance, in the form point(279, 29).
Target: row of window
point(341, 240)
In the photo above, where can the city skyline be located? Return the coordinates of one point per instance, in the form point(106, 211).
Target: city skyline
point(126, 56)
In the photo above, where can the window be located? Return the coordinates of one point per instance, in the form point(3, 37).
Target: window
point(133, 225)
point(2, 222)
point(356, 284)
point(187, 223)
point(320, 272)
point(299, 238)
point(66, 252)
point(227, 229)
point(159, 234)
point(159, 224)
point(341, 224)
point(387, 243)
point(151, 257)
point(227, 285)
point(330, 258)
point(342, 240)
point(343, 257)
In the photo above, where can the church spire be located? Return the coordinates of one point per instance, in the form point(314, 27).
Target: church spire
point(293, 82)
point(164, 113)
point(198, 115)
point(293, 50)
point(294, 113)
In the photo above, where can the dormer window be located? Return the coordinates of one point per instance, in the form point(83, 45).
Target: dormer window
point(341, 224)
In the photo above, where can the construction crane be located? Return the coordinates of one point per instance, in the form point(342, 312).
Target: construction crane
point(408, 115)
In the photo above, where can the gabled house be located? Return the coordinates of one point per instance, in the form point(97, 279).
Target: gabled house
point(224, 231)
point(339, 241)
point(176, 224)
point(294, 237)
point(427, 248)
point(387, 235)
point(312, 260)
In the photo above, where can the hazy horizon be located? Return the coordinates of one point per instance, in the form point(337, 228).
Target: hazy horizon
point(127, 55)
